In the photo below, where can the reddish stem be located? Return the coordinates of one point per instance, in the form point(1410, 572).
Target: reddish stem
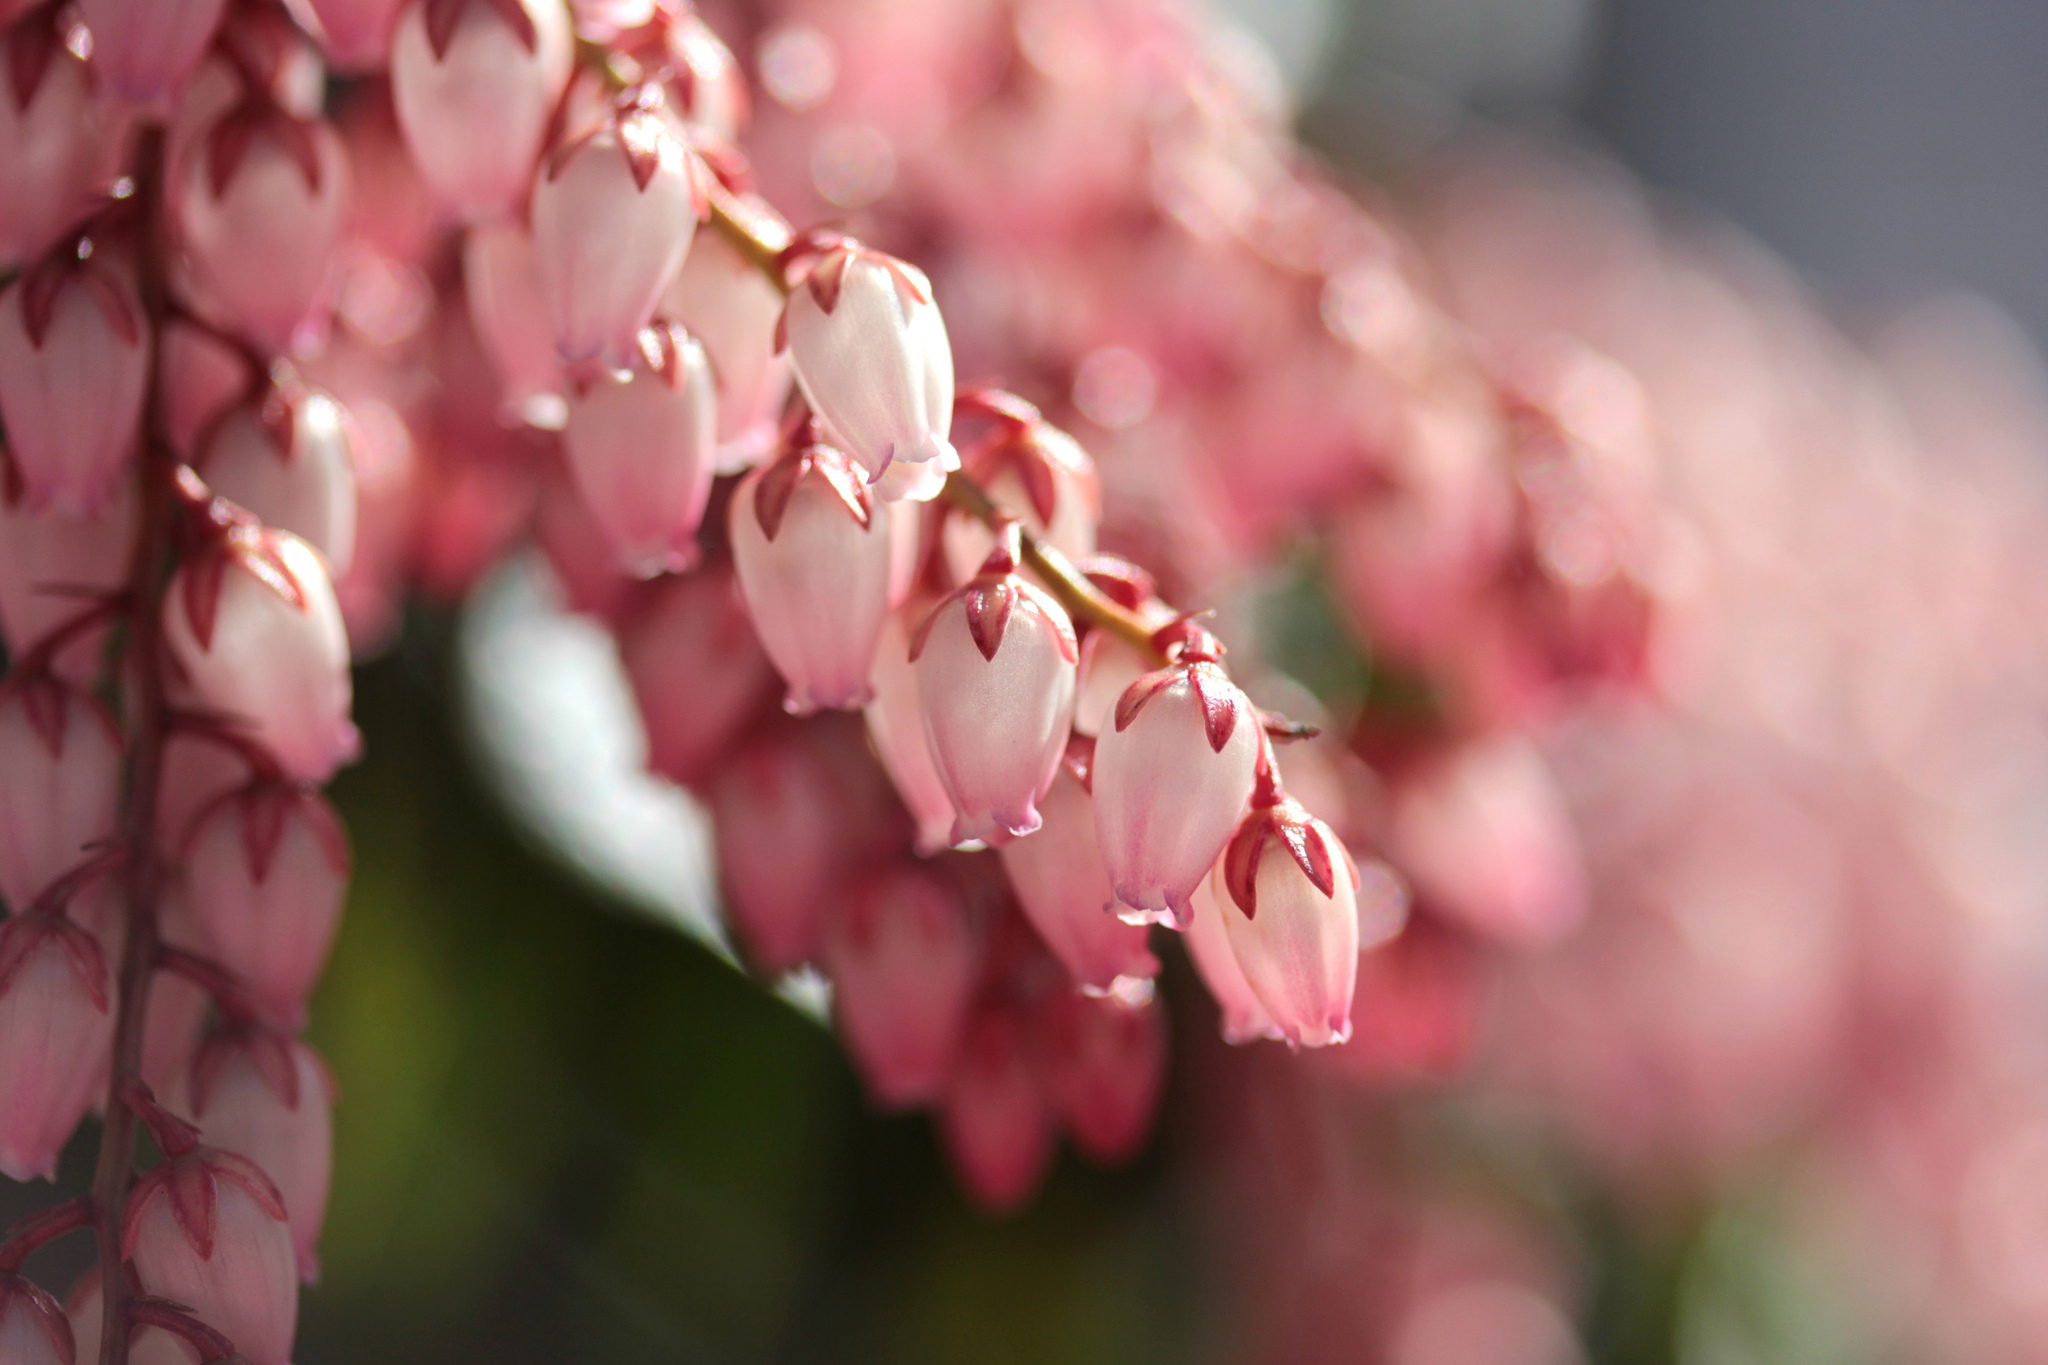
point(174, 1318)
point(36, 1229)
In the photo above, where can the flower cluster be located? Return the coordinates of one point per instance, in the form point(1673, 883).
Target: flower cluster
point(179, 502)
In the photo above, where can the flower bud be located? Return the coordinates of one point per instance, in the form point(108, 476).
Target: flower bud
point(254, 624)
point(613, 215)
point(148, 1346)
point(1172, 773)
point(85, 555)
point(60, 781)
point(74, 368)
point(265, 869)
point(725, 302)
point(269, 1097)
point(812, 555)
point(33, 1328)
point(1244, 1019)
point(871, 355)
point(995, 668)
point(996, 1123)
point(262, 212)
point(1292, 917)
point(290, 463)
point(1060, 881)
point(475, 83)
point(1105, 1066)
point(207, 1229)
point(641, 447)
point(145, 50)
point(1036, 473)
point(895, 716)
point(56, 1028)
point(696, 670)
point(501, 283)
point(54, 139)
point(902, 959)
point(355, 34)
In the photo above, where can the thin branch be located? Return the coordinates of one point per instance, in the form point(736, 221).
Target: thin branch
point(36, 1229)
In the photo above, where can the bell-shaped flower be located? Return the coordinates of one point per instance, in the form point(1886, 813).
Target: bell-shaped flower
point(731, 307)
point(56, 1028)
point(1109, 662)
point(265, 870)
point(641, 444)
point(262, 212)
point(253, 622)
point(995, 1120)
point(1034, 472)
point(178, 1006)
point(501, 284)
point(1244, 1018)
point(145, 50)
point(902, 959)
point(55, 138)
point(613, 214)
point(202, 378)
point(269, 1097)
point(1172, 773)
point(60, 782)
point(147, 1346)
point(1060, 881)
point(1291, 911)
point(74, 369)
point(80, 557)
point(355, 34)
point(995, 669)
point(709, 86)
point(895, 716)
point(1105, 1064)
point(207, 1229)
point(871, 354)
point(290, 462)
point(812, 554)
point(475, 83)
point(33, 1328)
point(696, 671)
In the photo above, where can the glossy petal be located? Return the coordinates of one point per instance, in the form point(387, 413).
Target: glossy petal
point(71, 387)
point(1061, 883)
point(60, 781)
point(895, 716)
point(307, 487)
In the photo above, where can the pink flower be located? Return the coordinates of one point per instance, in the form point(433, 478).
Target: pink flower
point(871, 355)
point(475, 83)
point(641, 446)
point(711, 89)
point(268, 1097)
point(1292, 917)
point(265, 869)
point(355, 34)
point(1171, 776)
point(895, 716)
point(995, 1120)
point(614, 212)
point(1104, 1068)
point(145, 50)
point(812, 555)
point(262, 210)
point(54, 139)
point(33, 1328)
point(55, 1030)
point(725, 302)
point(696, 670)
point(207, 1229)
point(995, 668)
point(74, 368)
point(902, 959)
point(60, 779)
point(1036, 473)
point(84, 555)
point(148, 1346)
point(178, 1009)
point(254, 625)
point(1060, 881)
point(1245, 1019)
point(202, 378)
point(501, 283)
point(289, 461)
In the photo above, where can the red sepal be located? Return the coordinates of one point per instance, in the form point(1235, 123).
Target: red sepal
point(990, 598)
point(264, 804)
point(989, 604)
point(268, 1050)
point(71, 262)
point(45, 701)
point(29, 930)
point(997, 405)
point(1220, 700)
point(1121, 581)
point(190, 1181)
point(229, 141)
point(18, 1293)
point(227, 534)
point(443, 15)
point(32, 44)
point(177, 1319)
point(1142, 691)
point(641, 135)
point(1299, 833)
point(772, 493)
point(278, 415)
